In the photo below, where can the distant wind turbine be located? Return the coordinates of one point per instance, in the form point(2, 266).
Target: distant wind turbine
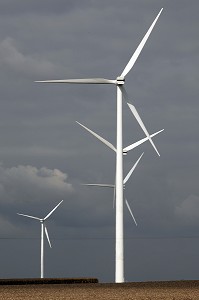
point(119, 82)
point(43, 228)
point(105, 185)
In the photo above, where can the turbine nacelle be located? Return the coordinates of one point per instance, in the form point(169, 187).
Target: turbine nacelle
point(120, 80)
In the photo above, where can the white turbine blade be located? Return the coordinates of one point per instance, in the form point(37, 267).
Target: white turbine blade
point(124, 92)
point(98, 137)
point(130, 212)
point(46, 232)
point(114, 193)
point(136, 115)
point(132, 169)
point(81, 81)
point(29, 217)
point(99, 185)
point(104, 186)
point(139, 48)
point(136, 144)
point(50, 213)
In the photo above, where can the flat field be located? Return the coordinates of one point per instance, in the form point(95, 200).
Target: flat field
point(171, 290)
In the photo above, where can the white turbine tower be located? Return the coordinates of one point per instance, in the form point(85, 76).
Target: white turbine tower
point(43, 228)
point(119, 82)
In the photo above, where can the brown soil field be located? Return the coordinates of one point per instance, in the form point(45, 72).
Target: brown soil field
point(171, 290)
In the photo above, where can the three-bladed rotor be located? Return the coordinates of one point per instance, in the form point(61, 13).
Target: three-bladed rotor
point(119, 81)
point(42, 220)
point(43, 229)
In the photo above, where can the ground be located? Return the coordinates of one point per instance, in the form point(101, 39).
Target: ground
point(179, 290)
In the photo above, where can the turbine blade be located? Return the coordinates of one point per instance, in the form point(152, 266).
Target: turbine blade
point(50, 213)
point(46, 232)
point(134, 145)
point(29, 217)
point(139, 48)
point(132, 169)
point(124, 92)
point(81, 81)
point(99, 185)
point(104, 186)
point(128, 206)
point(114, 193)
point(136, 115)
point(98, 137)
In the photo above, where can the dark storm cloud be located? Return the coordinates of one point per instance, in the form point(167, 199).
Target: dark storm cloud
point(21, 7)
point(18, 63)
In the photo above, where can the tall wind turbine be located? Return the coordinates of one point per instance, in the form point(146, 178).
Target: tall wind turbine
point(119, 82)
point(102, 185)
point(43, 228)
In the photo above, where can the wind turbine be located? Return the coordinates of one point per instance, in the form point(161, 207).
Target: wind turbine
point(125, 151)
point(113, 186)
point(119, 82)
point(43, 228)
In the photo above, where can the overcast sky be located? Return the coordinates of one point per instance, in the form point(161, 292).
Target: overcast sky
point(45, 155)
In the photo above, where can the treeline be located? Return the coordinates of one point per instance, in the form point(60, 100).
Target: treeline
point(26, 281)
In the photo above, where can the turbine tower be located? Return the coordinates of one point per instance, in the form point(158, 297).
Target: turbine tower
point(119, 82)
point(43, 228)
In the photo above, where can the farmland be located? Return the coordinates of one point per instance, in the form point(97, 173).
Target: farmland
point(171, 290)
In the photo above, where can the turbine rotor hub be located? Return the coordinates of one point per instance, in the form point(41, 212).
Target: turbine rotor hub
point(120, 80)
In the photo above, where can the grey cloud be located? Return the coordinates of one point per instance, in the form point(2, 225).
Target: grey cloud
point(32, 7)
point(8, 227)
point(19, 63)
point(26, 184)
point(188, 210)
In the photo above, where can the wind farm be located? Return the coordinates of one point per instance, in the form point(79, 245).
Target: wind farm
point(121, 93)
point(46, 156)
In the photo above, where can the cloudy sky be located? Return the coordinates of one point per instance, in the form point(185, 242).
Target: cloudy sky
point(45, 155)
